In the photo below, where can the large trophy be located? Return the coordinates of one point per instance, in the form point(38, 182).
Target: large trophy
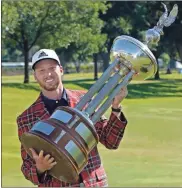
point(69, 134)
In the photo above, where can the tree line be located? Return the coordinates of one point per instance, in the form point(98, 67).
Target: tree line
point(83, 30)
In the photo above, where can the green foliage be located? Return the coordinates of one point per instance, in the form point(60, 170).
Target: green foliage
point(165, 57)
point(52, 24)
point(83, 68)
point(80, 29)
point(10, 18)
point(150, 12)
point(137, 17)
point(121, 25)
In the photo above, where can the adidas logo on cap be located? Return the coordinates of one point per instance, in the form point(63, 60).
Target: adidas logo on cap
point(44, 54)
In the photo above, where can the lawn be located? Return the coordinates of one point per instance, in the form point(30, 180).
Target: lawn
point(150, 153)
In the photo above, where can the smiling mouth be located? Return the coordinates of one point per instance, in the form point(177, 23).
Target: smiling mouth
point(48, 81)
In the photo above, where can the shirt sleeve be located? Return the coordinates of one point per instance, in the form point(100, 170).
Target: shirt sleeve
point(28, 167)
point(111, 131)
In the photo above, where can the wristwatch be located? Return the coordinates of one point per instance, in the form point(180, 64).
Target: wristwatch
point(116, 109)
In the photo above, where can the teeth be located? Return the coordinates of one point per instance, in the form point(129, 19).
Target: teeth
point(49, 80)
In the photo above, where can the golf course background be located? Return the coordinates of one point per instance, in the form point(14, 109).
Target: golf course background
point(150, 153)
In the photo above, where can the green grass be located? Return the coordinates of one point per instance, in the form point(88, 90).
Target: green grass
point(150, 153)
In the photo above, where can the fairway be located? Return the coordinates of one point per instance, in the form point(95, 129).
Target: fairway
point(150, 153)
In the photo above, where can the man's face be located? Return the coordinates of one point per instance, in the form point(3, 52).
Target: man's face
point(48, 74)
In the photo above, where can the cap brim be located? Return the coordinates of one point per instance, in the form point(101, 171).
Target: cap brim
point(33, 66)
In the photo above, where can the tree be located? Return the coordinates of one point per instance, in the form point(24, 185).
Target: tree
point(139, 16)
point(52, 24)
point(117, 22)
point(166, 59)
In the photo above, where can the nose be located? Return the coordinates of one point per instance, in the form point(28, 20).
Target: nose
point(48, 73)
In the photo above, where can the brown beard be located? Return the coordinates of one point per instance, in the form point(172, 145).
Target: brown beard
point(49, 87)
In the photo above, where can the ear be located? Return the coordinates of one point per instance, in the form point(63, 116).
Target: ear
point(35, 77)
point(61, 70)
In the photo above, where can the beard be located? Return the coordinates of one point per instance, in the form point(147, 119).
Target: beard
point(49, 86)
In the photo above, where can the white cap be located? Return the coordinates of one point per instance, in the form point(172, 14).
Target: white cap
point(44, 54)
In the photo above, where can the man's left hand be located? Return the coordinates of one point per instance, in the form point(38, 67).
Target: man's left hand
point(119, 97)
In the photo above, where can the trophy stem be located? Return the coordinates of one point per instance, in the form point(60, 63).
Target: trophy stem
point(109, 86)
point(97, 85)
point(108, 102)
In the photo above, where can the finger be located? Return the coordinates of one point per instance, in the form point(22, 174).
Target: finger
point(53, 164)
point(51, 160)
point(34, 154)
point(47, 157)
point(124, 89)
point(41, 154)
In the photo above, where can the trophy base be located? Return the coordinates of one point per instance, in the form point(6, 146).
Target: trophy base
point(68, 136)
point(65, 170)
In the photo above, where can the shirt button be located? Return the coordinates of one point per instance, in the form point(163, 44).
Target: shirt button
point(82, 185)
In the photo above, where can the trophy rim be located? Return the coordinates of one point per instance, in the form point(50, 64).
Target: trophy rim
point(143, 47)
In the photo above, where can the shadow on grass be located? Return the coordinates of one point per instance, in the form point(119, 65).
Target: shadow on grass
point(162, 88)
point(21, 86)
point(155, 89)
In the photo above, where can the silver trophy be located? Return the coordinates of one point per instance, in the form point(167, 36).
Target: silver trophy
point(69, 134)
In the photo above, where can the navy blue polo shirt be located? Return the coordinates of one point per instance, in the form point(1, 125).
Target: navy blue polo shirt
point(52, 104)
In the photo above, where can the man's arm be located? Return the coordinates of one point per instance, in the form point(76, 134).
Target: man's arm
point(111, 131)
point(29, 170)
point(28, 167)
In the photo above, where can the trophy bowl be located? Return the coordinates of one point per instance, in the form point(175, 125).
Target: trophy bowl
point(136, 56)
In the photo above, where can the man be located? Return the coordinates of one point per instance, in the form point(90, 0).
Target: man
point(48, 73)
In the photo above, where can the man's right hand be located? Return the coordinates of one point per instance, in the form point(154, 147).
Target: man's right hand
point(42, 163)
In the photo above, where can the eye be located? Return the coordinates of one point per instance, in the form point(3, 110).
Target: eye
point(41, 70)
point(52, 68)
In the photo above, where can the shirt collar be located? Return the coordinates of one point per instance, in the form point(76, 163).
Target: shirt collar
point(64, 96)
